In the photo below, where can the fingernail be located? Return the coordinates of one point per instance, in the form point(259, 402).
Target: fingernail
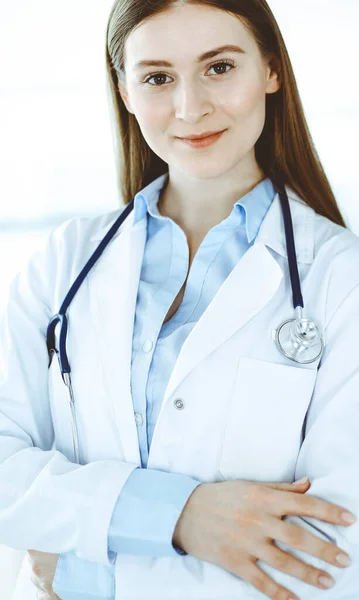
point(326, 582)
point(343, 560)
point(348, 517)
point(300, 481)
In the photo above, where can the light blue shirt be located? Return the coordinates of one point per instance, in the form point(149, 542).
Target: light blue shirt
point(151, 501)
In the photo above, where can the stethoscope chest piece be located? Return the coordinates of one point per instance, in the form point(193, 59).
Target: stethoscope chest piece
point(300, 340)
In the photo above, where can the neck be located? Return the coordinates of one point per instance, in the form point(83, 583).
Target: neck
point(197, 205)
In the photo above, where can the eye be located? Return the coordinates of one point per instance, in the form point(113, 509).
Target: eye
point(216, 65)
point(226, 64)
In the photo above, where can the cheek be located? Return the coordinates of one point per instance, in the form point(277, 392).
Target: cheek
point(245, 100)
point(153, 120)
point(247, 108)
point(151, 113)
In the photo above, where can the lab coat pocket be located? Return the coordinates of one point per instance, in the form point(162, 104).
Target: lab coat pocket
point(60, 411)
point(263, 430)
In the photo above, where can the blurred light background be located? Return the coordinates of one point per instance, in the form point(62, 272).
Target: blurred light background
point(56, 153)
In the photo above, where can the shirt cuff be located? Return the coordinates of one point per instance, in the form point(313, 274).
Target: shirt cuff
point(79, 579)
point(147, 511)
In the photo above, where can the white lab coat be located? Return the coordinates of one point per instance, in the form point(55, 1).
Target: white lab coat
point(267, 418)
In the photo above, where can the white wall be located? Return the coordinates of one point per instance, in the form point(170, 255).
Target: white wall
point(322, 40)
point(56, 156)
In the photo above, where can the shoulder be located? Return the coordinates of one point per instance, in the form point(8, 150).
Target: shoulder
point(62, 255)
point(326, 241)
point(331, 254)
point(73, 241)
point(82, 229)
point(336, 264)
point(336, 245)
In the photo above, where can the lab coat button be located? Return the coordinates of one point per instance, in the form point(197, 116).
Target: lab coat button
point(138, 418)
point(147, 346)
point(179, 404)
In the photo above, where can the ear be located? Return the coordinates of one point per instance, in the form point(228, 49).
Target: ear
point(124, 95)
point(273, 76)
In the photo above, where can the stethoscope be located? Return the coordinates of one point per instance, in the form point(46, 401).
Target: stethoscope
point(299, 339)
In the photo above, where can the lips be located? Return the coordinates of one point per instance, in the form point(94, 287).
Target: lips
point(202, 137)
point(203, 142)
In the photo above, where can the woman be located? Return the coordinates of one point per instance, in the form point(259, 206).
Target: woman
point(174, 361)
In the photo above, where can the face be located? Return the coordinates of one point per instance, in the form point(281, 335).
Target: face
point(223, 92)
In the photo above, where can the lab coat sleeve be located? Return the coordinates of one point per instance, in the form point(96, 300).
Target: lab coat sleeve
point(329, 455)
point(143, 523)
point(47, 503)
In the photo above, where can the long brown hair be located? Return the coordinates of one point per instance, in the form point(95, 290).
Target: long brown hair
point(285, 150)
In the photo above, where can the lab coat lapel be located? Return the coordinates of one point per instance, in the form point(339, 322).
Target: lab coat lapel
point(113, 285)
point(242, 295)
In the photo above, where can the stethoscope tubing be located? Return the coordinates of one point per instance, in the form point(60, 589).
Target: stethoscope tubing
point(292, 256)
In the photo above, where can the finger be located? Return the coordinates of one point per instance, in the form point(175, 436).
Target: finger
point(36, 581)
point(289, 487)
point(289, 564)
point(265, 584)
point(307, 506)
point(46, 596)
point(41, 585)
point(299, 538)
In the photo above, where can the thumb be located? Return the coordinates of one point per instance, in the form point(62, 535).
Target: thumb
point(296, 486)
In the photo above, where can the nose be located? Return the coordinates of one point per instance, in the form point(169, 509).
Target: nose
point(192, 101)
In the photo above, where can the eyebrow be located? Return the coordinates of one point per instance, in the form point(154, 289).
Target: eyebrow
point(206, 56)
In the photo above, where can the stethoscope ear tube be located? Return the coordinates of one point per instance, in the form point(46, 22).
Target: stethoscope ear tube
point(51, 342)
point(65, 370)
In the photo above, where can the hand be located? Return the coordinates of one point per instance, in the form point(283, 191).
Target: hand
point(43, 567)
point(234, 523)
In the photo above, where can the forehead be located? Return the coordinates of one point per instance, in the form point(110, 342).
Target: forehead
point(184, 33)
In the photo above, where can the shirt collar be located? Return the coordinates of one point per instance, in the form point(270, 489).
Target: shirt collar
point(250, 209)
point(271, 232)
point(255, 205)
point(146, 200)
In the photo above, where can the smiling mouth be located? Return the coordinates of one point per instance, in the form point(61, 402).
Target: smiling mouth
point(204, 141)
point(202, 137)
